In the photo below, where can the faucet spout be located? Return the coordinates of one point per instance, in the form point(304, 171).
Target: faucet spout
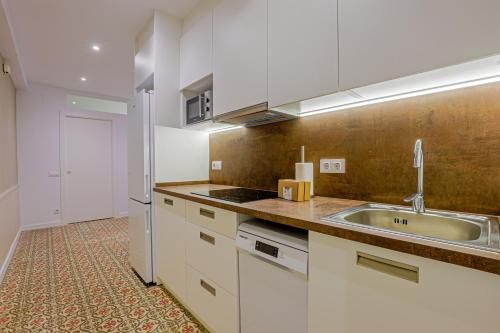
point(417, 199)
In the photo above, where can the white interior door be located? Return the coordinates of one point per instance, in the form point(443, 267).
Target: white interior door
point(87, 169)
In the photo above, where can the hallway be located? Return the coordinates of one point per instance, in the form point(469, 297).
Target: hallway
point(76, 278)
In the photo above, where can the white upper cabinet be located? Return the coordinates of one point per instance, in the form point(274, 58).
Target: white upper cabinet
point(196, 51)
point(386, 39)
point(303, 50)
point(240, 54)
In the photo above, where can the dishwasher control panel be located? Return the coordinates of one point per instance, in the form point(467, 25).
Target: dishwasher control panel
point(266, 248)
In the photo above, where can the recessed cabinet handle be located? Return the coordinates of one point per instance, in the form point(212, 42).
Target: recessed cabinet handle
point(208, 287)
point(207, 238)
point(207, 213)
point(169, 202)
point(387, 266)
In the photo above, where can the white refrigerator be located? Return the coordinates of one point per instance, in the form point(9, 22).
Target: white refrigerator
point(140, 183)
point(156, 154)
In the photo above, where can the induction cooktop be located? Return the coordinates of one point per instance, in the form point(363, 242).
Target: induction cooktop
point(238, 195)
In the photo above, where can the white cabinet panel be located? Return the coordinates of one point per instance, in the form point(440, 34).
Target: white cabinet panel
point(240, 54)
point(222, 221)
point(170, 243)
point(196, 51)
point(303, 52)
point(214, 255)
point(215, 306)
point(386, 39)
point(350, 298)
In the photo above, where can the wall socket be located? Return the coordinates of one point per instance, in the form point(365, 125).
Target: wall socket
point(216, 165)
point(332, 165)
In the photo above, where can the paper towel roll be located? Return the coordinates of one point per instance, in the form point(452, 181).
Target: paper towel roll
point(304, 171)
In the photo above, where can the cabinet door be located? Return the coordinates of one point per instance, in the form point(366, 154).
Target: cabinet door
point(240, 54)
point(346, 296)
point(170, 243)
point(196, 51)
point(303, 52)
point(386, 39)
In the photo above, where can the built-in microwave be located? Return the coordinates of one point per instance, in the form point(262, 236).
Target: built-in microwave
point(199, 108)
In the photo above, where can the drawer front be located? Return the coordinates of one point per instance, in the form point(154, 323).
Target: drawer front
point(171, 204)
point(219, 220)
point(213, 255)
point(211, 303)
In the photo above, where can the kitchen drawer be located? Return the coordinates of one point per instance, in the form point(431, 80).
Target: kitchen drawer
point(211, 303)
point(219, 220)
point(171, 204)
point(214, 255)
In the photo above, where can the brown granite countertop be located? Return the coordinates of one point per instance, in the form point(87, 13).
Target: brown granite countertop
point(307, 215)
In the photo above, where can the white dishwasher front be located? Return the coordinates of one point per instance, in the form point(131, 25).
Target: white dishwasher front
point(273, 278)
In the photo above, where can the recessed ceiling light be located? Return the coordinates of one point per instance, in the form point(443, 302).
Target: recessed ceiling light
point(96, 47)
point(83, 78)
point(74, 102)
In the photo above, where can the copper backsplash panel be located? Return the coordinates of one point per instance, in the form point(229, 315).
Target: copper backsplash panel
point(460, 130)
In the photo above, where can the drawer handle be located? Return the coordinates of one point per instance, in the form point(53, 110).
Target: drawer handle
point(391, 267)
point(207, 238)
point(207, 213)
point(169, 202)
point(208, 287)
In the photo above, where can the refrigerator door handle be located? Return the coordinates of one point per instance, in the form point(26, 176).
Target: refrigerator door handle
point(146, 179)
point(147, 222)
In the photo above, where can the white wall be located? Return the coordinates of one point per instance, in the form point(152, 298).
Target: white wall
point(38, 117)
point(9, 191)
point(180, 155)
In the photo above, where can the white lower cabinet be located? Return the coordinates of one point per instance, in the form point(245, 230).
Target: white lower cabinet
point(170, 257)
point(196, 259)
point(355, 287)
point(212, 304)
point(214, 255)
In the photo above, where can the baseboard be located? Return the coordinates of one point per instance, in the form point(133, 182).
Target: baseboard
point(42, 225)
point(122, 214)
point(10, 254)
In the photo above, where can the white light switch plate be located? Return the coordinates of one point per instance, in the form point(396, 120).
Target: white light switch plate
point(332, 165)
point(216, 165)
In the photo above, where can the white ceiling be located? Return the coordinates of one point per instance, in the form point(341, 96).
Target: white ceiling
point(54, 38)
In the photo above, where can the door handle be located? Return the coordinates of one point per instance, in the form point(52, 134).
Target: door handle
point(146, 179)
point(147, 222)
point(207, 213)
point(208, 287)
point(207, 238)
point(387, 266)
point(169, 202)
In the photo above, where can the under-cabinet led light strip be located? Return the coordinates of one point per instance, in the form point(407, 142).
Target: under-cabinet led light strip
point(427, 91)
point(225, 129)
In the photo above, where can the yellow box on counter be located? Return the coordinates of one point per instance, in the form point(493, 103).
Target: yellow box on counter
point(296, 190)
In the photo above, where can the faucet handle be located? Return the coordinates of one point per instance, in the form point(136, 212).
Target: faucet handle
point(411, 198)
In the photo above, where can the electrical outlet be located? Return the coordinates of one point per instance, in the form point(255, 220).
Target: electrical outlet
point(216, 165)
point(56, 211)
point(332, 165)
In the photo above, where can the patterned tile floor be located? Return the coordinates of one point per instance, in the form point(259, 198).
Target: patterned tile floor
point(76, 278)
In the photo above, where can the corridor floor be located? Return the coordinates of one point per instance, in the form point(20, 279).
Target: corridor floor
point(76, 278)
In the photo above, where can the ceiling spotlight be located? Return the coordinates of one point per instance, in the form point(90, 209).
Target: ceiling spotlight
point(83, 78)
point(74, 102)
point(96, 47)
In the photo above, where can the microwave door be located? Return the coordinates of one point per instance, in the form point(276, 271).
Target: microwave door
point(194, 110)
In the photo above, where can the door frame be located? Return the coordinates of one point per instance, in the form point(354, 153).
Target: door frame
point(62, 157)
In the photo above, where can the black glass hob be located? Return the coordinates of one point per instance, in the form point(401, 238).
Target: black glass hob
point(238, 195)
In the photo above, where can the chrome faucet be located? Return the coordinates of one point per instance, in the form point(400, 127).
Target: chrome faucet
point(417, 199)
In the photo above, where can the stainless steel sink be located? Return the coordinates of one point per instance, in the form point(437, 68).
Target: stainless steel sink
point(463, 229)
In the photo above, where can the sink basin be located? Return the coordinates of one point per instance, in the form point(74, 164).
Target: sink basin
point(464, 229)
